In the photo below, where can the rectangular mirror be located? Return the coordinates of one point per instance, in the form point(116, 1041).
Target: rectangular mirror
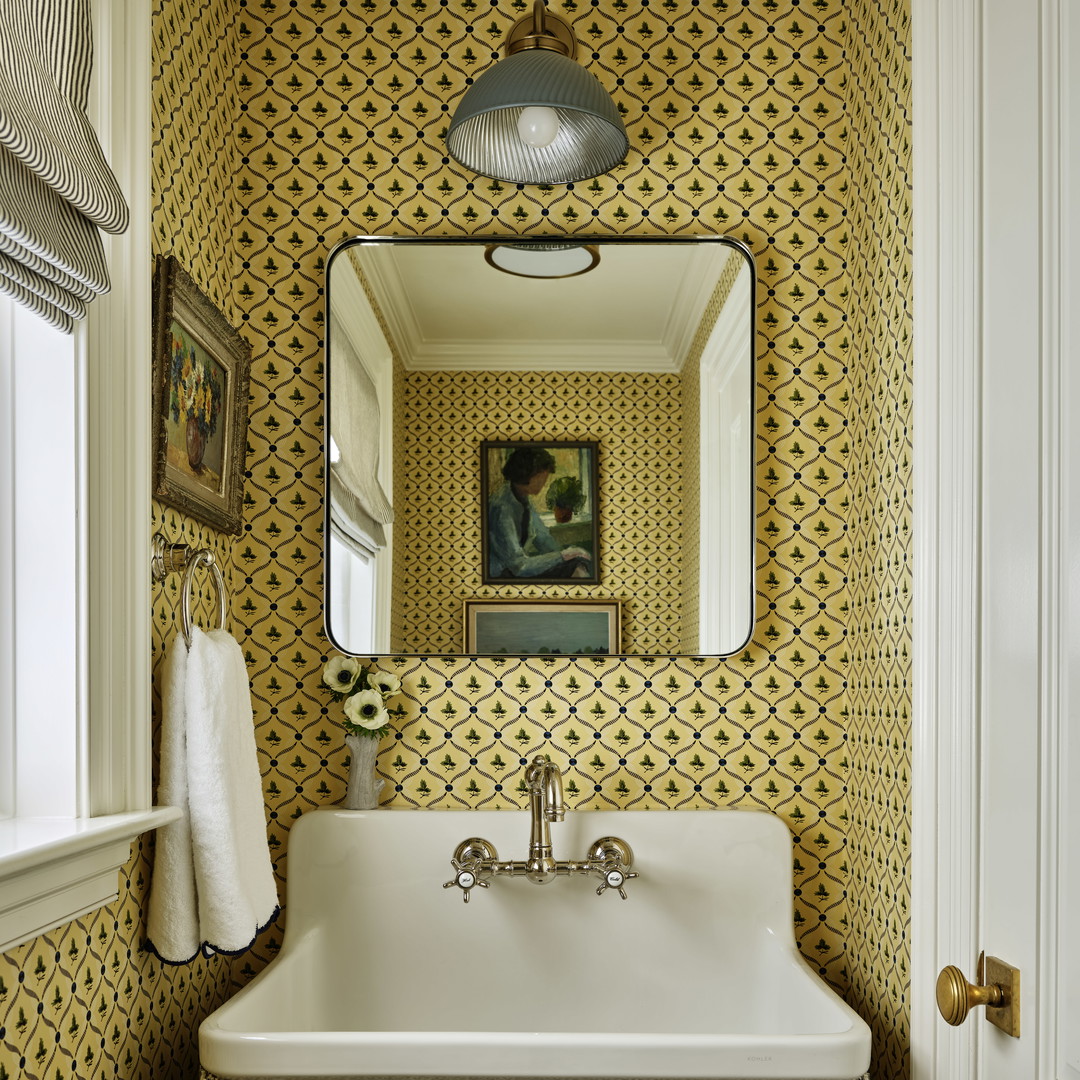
point(551, 428)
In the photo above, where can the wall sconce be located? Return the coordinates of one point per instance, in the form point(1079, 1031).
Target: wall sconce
point(537, 117)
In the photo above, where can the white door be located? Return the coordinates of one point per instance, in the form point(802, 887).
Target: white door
point(998, 565)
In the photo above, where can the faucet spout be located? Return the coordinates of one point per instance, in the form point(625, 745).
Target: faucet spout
point(546, 805)
point(554, 807)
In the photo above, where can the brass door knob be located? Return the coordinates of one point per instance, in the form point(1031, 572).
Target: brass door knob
point(956, 997)
point(999, 991)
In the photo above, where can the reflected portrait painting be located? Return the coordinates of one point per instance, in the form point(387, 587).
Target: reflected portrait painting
point(539, 521)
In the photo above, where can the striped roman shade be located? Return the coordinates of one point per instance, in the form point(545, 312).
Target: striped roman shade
point(56, 189)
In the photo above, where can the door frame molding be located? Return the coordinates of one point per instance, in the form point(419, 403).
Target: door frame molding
point(1057, 984)
point(947, 226)
point(952, 43)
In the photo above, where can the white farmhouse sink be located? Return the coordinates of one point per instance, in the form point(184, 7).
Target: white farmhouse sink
point(382, 972)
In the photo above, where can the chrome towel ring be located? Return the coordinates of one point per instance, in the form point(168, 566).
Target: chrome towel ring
point(169, 558)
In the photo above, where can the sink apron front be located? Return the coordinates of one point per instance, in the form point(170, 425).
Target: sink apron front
point(384, 973)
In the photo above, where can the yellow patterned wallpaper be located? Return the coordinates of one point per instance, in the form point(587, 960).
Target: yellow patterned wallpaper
point(879, 628)
point(782, 122)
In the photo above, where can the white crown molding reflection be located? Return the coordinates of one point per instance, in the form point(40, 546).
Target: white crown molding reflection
point(692, 297)
point(522, 356)
point(683, 301)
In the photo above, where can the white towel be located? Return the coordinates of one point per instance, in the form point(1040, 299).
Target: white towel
point(213, 883)
point(173, 917)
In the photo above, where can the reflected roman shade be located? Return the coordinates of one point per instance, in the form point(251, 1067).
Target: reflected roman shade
point(56, 189)
point(355, 419)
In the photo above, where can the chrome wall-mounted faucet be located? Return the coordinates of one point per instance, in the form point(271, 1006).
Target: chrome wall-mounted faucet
point(476, 861)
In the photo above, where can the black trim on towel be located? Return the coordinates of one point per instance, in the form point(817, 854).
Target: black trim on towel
point(206, 950)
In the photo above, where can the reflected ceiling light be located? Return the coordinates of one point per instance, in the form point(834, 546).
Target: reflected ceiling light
point(542, 260)
point(537, 117)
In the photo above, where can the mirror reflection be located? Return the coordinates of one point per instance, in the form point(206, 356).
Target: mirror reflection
point(539, 446)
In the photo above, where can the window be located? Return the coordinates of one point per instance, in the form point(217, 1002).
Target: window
point(361, 483)
point(353, 582)
point(38, 634)
point(75, 550)
point(358, 577)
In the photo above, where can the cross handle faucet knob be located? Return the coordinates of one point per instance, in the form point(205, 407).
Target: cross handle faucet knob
point(466, 879)
point(615, 878)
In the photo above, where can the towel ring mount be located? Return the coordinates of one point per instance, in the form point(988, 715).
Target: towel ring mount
point(166, 558)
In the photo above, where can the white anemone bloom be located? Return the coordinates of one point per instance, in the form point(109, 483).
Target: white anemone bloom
point(366, 710)
point(384, 682)
point(341, 673)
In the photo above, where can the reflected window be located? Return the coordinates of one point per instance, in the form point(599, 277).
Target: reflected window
point(353, 579)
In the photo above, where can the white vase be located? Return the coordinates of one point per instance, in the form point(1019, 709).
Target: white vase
point(365, 784)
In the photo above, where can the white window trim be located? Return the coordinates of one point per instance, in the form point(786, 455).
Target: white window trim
point(726, 601)
point(55, 869)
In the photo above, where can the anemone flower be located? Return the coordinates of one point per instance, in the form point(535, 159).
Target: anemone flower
point(366, 710)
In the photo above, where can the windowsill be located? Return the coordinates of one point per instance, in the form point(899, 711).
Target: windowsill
point(53, 870)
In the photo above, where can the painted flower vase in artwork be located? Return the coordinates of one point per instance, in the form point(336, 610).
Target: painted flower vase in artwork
point(365, 784)
point(196, 445)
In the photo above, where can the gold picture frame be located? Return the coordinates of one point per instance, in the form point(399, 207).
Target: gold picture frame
point(542, 627)
point(201, 373)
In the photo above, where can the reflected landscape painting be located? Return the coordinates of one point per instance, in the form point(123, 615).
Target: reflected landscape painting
point(542, 627)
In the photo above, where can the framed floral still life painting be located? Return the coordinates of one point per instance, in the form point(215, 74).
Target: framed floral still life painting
point(201, 369)
point(539, 522)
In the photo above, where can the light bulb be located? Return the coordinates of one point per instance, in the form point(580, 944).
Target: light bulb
point(538, 125)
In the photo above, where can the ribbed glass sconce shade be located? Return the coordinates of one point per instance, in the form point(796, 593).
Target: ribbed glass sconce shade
point(484, 137)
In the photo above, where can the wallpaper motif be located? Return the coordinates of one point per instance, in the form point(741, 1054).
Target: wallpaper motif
point(781, 122)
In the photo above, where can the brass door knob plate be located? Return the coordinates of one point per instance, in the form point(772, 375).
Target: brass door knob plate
point(998, 988)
